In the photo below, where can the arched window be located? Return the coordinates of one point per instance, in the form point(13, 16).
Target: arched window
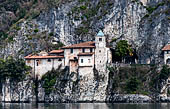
point(168, 61)
point(100, 39)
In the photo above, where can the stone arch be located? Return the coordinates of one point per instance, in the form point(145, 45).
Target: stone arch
point(168, 61)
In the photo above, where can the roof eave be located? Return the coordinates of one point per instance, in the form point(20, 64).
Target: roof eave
point(76, 47)
point(45, 58)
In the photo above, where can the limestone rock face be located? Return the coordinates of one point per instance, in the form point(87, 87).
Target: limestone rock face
point(131, 98)
point(68, 88)
point(147, 31)
point(20, 92)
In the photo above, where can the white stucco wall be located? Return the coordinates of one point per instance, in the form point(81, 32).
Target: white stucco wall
point(68, 55)
point(166, 56)
point(87, 60)
point(109, 55)
point(44, 66)
point(102, 55)
point(88, 50)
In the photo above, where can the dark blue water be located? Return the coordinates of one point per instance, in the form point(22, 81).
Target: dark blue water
point(85, 106)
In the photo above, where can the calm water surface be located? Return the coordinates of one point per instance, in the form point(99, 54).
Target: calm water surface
point(85, 106)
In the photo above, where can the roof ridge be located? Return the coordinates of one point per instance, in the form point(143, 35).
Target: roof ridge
point(166, 47)
point(83, 44)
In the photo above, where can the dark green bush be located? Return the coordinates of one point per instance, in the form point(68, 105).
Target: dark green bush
point(49, 79)
point(132, 85)
point(36, 31)
point(12, 69)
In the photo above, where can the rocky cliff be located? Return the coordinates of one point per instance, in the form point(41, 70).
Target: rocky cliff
point(34, 25)
point(128, 84)
point(144, 23)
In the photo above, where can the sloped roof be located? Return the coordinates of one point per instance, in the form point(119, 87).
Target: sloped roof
point(42, 57)
point(167, 47)
point(56, 51)
point(86, 54)
point(89, 44)
point(100, 33)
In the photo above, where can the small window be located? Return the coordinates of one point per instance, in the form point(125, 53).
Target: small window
point(99, 51)
point(83, 50)
point(75, 58)
point(59, 59)
point(81, 60)
point(100, 39)
point(89, 60)
point(37, 61)
point(91, 50)
point(71, 50)
point(49, 60)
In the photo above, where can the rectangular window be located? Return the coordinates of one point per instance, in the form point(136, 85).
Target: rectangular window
point(71, 50)
point(91, 50)
point(83, 50)
point(49, 60)
point(81, 60)
point(89, 60)
point(37, 62)
point(100, 39)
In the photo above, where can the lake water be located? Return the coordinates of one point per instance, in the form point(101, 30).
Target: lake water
point(85, 106)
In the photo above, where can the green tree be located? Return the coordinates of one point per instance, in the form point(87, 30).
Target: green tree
point(165, 72)
point(12, 69)
point(123, 49)
point(49, 80)
point(132, 85)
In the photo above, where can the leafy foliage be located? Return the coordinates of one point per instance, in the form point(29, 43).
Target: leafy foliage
point(36, 30)
point(14, 70)
point(132, 79)
point(132, 85)
point(49, 80)
point(151, 9)
point(3, 35)
point(160, 78)
point(123, 49)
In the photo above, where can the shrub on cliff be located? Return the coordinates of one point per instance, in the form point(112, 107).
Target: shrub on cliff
point(49, 80)
point(160, 78)
point(13, 69)
point(123, 49)
point(132, 85)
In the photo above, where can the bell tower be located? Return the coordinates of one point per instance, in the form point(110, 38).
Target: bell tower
point(100, 40)
point(100, 52)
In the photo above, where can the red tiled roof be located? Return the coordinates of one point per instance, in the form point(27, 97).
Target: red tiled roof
point(85, 54)
point(89, 44)
point(167, 47)
point(42, 57)
point(56, 51)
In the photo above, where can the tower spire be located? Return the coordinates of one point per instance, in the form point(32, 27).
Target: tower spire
point(100, 33)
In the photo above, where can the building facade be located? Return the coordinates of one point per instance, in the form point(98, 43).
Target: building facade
point(81, 58)
point(166, 52)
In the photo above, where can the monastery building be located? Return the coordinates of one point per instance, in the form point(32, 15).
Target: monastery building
point(82, 58)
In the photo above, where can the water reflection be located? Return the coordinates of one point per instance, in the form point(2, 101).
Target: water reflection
point(84, 106)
